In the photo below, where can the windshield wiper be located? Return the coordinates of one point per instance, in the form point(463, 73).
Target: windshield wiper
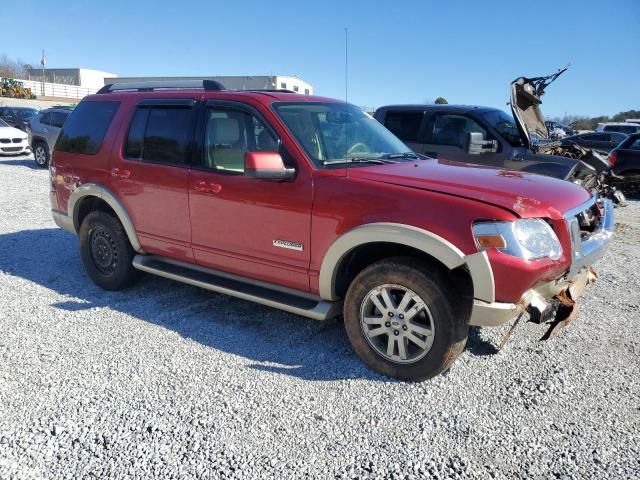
point(376, 161)
point(402, 155)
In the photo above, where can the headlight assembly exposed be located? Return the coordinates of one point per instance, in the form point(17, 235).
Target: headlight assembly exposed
point(527, 238)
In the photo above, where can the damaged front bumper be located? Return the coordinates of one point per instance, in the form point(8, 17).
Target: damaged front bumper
point(555, 302)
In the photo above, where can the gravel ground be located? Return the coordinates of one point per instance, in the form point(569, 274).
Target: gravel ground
point(166, 380)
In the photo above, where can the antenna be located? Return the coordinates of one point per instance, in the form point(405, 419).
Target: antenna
point(346, 93)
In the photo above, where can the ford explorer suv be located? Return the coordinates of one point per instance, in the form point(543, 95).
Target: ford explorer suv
point(309, 205)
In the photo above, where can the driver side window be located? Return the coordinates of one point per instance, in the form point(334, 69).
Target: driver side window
point(451, 130)
point(229, 134)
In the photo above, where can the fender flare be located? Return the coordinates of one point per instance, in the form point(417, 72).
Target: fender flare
point(94, 190)
point(418, 238)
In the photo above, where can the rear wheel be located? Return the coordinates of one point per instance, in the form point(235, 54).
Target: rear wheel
point(400, 319)
point(106, 252)
point(41, 154)
point(630, 184)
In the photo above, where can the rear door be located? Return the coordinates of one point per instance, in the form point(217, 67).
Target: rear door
point(150, 174)
point(406, 125)
point(56, 120)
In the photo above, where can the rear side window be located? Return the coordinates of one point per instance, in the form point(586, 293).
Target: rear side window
point(86, 127)
point(404, 125)
point(46, 119)
point(620, 128)
point(635, 145)
point(58, 118)
point(159, 134)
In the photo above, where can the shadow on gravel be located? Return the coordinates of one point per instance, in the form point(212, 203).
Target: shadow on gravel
point(20, 162)
point(478, 346)
point(276, 341)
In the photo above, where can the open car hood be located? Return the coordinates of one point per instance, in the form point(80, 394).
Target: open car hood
point(526, 94)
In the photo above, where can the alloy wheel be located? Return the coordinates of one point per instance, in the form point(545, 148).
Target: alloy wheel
point(397, 323)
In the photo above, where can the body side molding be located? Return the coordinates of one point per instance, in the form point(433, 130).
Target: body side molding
point(418, 238)
point(94, 190)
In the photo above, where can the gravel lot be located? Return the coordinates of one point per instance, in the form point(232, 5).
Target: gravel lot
point(171, 381)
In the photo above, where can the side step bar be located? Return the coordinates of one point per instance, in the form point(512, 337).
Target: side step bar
point(289, 300)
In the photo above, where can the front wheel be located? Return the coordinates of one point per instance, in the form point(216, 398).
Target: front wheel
point(400, 320)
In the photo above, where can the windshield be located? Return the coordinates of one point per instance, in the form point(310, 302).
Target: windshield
point(3, 123)
point(505, 126)
point(331, 132)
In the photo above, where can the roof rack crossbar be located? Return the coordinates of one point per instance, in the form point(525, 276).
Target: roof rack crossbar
point(161, 85)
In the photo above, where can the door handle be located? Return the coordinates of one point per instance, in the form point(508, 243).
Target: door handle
point(205, 187)
point(120, 173)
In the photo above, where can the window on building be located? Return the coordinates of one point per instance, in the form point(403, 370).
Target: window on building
point(86, 127)
point(295, 88)
point(283, 84)
point(306, 91)
point(159, 134)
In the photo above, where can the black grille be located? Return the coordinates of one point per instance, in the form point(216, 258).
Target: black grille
point(17, 140)
point(12, 149)
point(5, 140)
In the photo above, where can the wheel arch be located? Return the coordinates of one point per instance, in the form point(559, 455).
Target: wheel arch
point(403, 238)
point(89, 197)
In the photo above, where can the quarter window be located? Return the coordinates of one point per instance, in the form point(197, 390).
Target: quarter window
point(404, 125)
point(229, 134)
point(159, 134)
point(86, 127)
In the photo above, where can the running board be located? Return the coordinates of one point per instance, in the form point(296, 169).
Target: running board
point(289, 300)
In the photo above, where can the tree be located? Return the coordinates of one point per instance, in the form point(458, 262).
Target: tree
point(13, 68)
point(441, 101)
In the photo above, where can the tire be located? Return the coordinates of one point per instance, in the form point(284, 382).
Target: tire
point(443, 332)
point(41, 154)
point(106, 252)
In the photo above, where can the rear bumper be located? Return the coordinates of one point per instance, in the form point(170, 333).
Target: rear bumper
point(63, 221)
point(542, 301)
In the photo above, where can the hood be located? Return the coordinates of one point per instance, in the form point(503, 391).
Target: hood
point(526, 195)
point(526, 94)
point(11, 132)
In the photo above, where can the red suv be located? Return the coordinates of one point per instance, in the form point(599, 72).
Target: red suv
point(309, 205)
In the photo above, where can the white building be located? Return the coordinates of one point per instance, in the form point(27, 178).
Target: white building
point(80, 77)
point(254, 82)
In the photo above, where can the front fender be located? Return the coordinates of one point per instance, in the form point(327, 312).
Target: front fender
point(429, 243)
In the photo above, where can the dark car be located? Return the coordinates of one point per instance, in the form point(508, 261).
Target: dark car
point(625, 162)
point(470, 134)
point(603, 141)
point(18, 117)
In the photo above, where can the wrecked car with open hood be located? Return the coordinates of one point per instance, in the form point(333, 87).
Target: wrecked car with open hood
point(488, 136)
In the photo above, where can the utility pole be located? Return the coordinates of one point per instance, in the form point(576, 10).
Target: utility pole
point(43, 62)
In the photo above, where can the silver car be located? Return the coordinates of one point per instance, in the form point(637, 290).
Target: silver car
point(44, 129)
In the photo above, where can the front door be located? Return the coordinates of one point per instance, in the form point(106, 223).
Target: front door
point(444, 134)
point(151, 175)
point(255, 228)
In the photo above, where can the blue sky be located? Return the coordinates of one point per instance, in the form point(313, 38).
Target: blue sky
point(400, 52)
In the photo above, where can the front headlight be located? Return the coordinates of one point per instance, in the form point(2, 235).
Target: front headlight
point(527, 238)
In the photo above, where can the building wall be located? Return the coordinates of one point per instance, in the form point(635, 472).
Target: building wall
point(294, 83)
point(82, 77)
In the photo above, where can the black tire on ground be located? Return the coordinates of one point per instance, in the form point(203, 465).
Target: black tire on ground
point(106, 252)
point(41, 154)
point(449, 325)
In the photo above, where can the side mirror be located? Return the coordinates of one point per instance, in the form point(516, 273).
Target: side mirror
point(475, 144)
point(266, 166)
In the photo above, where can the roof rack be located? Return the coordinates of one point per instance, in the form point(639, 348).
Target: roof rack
point(272, 90)
point(161, 85)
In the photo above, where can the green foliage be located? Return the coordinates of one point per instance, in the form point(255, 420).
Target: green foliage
point(441, 101)
point(590, 123)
